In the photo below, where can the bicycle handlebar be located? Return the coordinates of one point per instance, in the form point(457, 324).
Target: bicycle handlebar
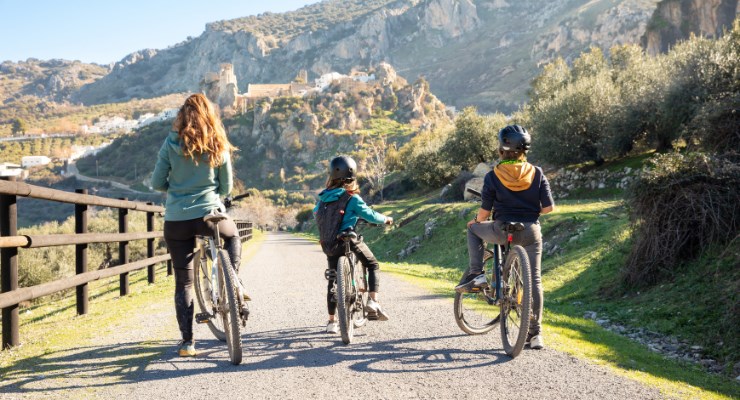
point(229, 200)
point(473, 191)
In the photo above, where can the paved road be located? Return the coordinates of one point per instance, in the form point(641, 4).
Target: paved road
point(419, 353)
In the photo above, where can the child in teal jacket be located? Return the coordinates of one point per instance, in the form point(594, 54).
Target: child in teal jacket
point(341, 179)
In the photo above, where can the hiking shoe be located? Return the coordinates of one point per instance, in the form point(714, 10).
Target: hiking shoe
point(187, 349)
point(472, 281)
point(374, 311)
point(536, 342)
point(332, 327)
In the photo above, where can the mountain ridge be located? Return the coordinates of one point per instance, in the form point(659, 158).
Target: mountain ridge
point(463, 47)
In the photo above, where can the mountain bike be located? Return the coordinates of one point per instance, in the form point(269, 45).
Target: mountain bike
point(508, 286)
point(351, 288)
point(218, 290)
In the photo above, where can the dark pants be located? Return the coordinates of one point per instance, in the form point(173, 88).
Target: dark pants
point(180, 238)
point(367, 258)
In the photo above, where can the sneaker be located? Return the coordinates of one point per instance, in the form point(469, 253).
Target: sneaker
point(332, 327)
point(537, 342)
point(471, 281)
point(187, 349)
point(374, 311)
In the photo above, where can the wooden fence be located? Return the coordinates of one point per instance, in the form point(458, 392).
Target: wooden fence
point(11, 295)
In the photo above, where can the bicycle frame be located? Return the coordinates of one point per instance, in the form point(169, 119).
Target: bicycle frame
point(498, 262)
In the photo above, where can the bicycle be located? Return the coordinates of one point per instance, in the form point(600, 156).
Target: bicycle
point(508, 286)
point(218, 289)
point(350, 288)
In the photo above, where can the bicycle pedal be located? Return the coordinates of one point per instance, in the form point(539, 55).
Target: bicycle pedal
point(330, 274)
point(202, 318)
point(246, 297)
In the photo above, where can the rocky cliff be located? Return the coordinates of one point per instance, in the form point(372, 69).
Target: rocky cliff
point(481, 52)
point(675, 20)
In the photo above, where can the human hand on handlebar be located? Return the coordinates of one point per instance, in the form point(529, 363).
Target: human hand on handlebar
point(389, 220)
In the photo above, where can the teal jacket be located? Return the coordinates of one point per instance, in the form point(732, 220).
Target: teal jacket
point(192, 190)
point(356, 209)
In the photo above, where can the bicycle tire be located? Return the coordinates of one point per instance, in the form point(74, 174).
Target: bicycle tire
point(345, 299)
point(230, 308)
point(516, 301)
point(202, 281)
point(359, 315)
point(467, 310)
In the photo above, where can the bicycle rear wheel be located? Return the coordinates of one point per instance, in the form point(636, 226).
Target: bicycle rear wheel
point(516, 302)
point(230, 308)
point(345, 299)
point(359, 315)
point(473, 312)
point(203, 290)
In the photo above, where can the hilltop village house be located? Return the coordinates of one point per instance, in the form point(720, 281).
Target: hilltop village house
point(222, 89)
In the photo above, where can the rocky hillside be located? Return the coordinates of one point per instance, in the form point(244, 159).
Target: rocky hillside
point(676, 20)
point(285, 142)
point(482, 52)
point(53, 80)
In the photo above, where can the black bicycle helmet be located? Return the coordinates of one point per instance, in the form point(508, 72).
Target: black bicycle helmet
point(514, 138)
point(342, 167)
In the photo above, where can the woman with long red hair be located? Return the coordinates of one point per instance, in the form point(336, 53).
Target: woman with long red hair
point(194, 168)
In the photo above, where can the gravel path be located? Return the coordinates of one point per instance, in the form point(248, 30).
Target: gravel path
point(419, 353)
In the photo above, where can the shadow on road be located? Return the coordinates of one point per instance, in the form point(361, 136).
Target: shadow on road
point(90, 367)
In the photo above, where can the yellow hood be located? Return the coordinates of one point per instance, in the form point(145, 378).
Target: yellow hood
point(516, 177)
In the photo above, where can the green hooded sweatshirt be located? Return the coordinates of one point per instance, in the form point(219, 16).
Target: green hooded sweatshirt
point(192, 190)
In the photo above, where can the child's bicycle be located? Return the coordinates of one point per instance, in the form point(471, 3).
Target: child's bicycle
point(218, 290)
point(508, 286)
point(350, 287)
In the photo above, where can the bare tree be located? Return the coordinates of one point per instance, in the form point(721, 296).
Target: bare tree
point(377, 169)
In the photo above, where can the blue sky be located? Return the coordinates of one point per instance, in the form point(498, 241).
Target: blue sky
point(104, 31)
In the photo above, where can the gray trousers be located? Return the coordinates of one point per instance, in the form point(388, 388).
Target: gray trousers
point(530, 238)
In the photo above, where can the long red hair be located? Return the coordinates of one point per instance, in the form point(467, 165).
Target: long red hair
point(201, 131)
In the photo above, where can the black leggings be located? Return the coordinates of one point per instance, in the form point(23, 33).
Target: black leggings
point(367, 258)
point(180, 238)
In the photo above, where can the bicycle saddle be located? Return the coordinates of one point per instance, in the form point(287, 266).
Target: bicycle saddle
point(513, 227)
point(347, 235)
point(215, 217)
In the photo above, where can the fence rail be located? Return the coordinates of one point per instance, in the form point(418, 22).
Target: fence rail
point(10, 242)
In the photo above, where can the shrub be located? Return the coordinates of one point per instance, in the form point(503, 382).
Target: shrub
point(680, 207)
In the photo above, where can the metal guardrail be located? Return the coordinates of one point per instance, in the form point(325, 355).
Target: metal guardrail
point(245, 230)
point(11, 295)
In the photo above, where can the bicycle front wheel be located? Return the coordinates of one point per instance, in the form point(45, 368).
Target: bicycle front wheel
point(230, 308)
point(473, 311)
point(345, 299)
point(516, 302)
point(204, 291)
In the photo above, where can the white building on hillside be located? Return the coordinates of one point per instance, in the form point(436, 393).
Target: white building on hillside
point(10, 169)
point(32, 161)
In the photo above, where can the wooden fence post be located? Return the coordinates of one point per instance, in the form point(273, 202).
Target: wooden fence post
point(123, 248)
point(150, 243)
point(81, 254)
point(9, 267)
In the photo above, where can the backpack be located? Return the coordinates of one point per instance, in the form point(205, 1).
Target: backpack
point(329, 219)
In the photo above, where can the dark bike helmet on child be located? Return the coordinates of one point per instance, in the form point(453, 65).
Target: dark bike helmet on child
point(342, 167)
point(514, 138)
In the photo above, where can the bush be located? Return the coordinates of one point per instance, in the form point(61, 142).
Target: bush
point(679, 208)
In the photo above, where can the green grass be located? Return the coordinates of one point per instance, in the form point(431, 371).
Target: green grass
point(584, 277)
